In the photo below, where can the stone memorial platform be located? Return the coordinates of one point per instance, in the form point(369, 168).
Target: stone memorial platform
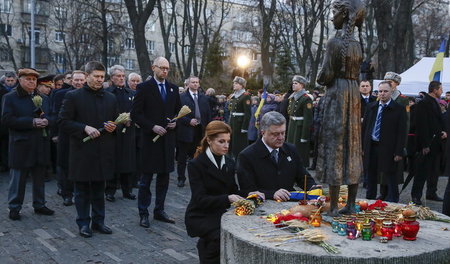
point(240, 245)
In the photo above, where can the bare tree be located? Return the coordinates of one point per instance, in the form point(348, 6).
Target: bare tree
point(139, 11)
point(6, 20)
point(267, 16)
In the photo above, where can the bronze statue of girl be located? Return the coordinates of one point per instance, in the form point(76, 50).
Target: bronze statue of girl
point(340, 155)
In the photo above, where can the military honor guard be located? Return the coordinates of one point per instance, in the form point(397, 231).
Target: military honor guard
point(300, 111)
point(240, 109)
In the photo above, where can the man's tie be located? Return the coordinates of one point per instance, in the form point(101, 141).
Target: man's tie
point(367, 100)
point(163, 92)
point(377, 126)
point(197, 108)
point(274, 155)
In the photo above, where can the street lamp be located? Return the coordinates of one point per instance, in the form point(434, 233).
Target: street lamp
point(243, 61)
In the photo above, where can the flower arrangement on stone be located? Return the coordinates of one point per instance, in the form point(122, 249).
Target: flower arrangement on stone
point(121, 119)
point(248, 205)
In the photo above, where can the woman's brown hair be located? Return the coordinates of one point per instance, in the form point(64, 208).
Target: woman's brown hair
point(213, 129)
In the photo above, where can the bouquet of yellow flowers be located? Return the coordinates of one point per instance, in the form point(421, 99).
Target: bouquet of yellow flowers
point(185, 110)
point(37, 101)
point(121, 119)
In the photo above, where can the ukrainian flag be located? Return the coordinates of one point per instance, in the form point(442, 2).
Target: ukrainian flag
point(438, 66)
point(263, 99)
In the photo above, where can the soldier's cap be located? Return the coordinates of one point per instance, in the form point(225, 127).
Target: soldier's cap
point(27, 72)
point(240, 80)
point(392, 76)
point(299, 79)
point(46, 80)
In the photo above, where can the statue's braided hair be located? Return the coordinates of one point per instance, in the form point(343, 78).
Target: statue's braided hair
point(355, 17)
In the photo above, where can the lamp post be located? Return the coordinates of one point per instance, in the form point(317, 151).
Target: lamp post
point(243, 61)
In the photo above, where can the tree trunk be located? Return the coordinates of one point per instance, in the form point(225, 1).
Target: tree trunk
point(139, 15)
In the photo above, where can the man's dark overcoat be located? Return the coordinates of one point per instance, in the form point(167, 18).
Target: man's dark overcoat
point(392, 138)
point(149, 110)
point(92, 160)
point(62, 154)
point(185, 132)
point(27, 145)
point(125, 142)
point(257, 171)
point(429, 124)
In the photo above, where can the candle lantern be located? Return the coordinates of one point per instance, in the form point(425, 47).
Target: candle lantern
point(335, 225)
point(387, 230)
point(351, 230)
point(367, 232)
point(342, 231)
point(316, 218)
point(410, 228)
point(379, 225)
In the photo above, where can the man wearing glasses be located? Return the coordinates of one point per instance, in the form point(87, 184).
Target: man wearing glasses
point(155, 102)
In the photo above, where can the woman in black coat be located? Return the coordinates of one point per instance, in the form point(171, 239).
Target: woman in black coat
point(213, 188)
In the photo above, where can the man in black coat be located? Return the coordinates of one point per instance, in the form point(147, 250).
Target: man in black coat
point(446, 203)
point(125, 162)
point(62, 138)
point(155, 102)
point(190, 129)
point(430, 132)
point(270, 165)
point(383, 142)
point(29, 143)
point(365, 89)
point(85, 113)
point(3, 135)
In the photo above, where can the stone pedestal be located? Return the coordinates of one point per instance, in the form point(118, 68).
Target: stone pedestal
point(239, 245)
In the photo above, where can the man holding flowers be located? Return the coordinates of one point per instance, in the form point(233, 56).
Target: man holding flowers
point(89, 111)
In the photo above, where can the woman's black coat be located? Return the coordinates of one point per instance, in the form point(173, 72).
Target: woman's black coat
point(210, 188)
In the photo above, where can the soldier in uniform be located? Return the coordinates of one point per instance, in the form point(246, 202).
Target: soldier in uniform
point(240, 109)
point(395, 79)
point(300, 114)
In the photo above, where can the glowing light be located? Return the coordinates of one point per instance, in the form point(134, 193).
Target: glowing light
point(243, 61)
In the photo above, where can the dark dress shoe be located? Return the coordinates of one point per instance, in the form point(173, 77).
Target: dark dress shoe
point(85, 231)
point(435, 197)
point(416, 201)
point(129, 196)
point(101, 229)
point(110, 198)
point(14, 215)
point(180, 183)
point(68, 201)
point(44, 211)
point(144, 221)
point(162, 216)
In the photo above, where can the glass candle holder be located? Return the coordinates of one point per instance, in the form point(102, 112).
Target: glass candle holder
point(397, 228)
point(387, 230)
point(316, 218)
point(351, 230)
point(410, 228)
point(342, 231)
point(379, 225)
point(367, 232)
point(335, 225)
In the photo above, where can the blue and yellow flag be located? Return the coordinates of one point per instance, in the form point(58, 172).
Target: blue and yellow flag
point(263, 99)
point(438, 66)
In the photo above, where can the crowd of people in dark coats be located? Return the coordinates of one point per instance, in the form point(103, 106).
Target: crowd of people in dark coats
point(68, 124)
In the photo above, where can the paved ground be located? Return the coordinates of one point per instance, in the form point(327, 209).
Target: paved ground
point(55, 239)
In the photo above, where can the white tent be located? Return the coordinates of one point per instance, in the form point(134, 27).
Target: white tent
point(416, 78)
